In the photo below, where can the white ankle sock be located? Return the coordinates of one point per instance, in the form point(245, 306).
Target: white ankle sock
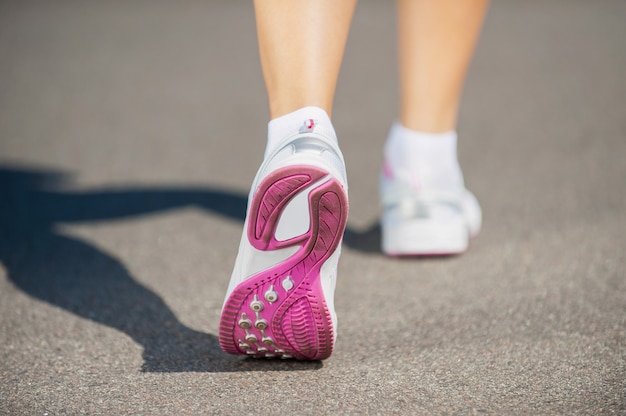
point(428, 160)
point(293, 123)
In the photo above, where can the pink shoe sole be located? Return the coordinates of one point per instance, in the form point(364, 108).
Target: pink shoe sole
point(281, 311)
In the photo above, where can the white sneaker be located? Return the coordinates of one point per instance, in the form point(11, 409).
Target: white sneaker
point(425, 222)
point(279, 301)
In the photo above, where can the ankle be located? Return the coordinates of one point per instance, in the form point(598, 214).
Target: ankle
point(293, 123)
point(430, 119)
point(429, 159)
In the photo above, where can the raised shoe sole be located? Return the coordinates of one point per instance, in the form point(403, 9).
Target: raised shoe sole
point(282, 311)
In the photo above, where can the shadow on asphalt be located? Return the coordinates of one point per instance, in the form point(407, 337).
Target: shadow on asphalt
point(78, 277)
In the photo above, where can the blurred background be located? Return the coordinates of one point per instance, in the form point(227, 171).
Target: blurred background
point(130, 132)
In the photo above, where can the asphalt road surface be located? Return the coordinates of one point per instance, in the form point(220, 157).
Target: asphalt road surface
point(130, 132)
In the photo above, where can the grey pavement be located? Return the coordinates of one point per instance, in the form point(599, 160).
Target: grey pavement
point(130, 132)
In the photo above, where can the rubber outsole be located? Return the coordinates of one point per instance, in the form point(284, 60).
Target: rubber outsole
point(282, 312)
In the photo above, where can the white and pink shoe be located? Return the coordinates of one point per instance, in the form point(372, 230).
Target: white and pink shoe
point(427, 211)
point(279, 301)
point(427, 222)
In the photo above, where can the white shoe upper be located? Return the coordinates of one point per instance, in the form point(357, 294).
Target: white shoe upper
point(426, 221)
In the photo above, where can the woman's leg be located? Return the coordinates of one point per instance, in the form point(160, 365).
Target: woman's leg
point(301, 44)
point(427, 209)
point(280, 298)
point(436, 39)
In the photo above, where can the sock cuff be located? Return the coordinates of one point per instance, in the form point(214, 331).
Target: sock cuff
point(427, 159)
point(416, 143)
point(293, 123)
